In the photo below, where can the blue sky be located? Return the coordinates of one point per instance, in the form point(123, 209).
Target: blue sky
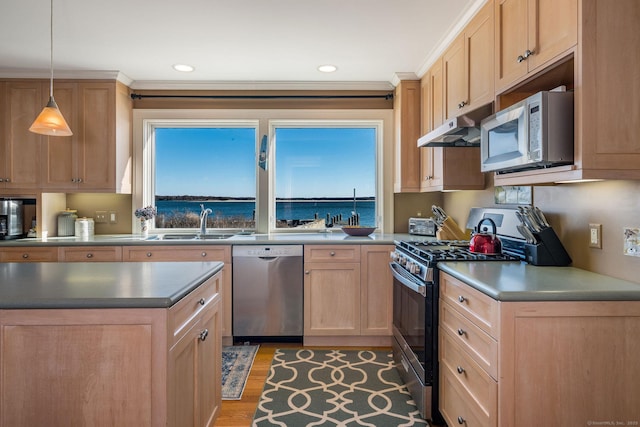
point(320, 162)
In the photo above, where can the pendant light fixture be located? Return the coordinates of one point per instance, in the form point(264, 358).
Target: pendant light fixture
point(50, 120)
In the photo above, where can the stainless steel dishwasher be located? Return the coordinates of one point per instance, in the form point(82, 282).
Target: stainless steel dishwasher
point(267, 292)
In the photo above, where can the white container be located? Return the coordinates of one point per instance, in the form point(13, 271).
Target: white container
point(84, 228)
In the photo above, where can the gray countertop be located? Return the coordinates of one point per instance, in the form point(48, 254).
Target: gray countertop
point(100, 285)
point(518, 281)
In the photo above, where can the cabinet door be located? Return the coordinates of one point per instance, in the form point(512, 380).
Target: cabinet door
point(97, 142)
point(59, 153)
point(209, 367)
point(407, 124)
point(20, 158)
point(90, 254)
point(511, 41)
point(479, 57)
point(332, 298)
point(29, 254)
point(553, 28)
point(376, 293)
point(431, 158)
point(455, 87)
point(182, 379)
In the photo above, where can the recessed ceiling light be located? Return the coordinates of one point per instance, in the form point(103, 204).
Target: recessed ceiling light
point(327, 68)
point(183, 67)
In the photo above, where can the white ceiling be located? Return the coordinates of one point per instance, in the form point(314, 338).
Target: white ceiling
point(246, 43)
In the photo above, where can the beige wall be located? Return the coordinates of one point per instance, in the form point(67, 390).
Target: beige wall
point(570, 208)
point(88, 204)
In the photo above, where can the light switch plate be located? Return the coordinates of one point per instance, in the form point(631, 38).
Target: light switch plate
point(113, 217)
point(631, 241)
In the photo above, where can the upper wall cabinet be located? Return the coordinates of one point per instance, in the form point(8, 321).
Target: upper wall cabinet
point(468, 66)
point(20, 104)
point(406, 106)
point(531, 33)
point(97, 157)
point(606, 79)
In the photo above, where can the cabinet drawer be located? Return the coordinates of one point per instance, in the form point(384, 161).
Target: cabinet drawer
point(478, 307)
point(321, 253)
point(184, 314)
point(472, 378)
point(478, 344)
point(29, 255)
point(176, 253)
point(458, 407)
point(90, 254)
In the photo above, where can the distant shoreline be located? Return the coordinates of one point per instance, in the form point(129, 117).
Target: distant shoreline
point(250, 199)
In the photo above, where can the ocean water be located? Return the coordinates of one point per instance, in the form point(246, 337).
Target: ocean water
point(285, 210)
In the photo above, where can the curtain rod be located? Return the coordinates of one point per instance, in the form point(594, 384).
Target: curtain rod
point(387, 96)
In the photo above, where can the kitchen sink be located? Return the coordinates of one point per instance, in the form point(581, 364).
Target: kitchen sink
point(190, 236)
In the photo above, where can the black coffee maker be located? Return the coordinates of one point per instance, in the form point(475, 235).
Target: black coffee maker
point(11, 214)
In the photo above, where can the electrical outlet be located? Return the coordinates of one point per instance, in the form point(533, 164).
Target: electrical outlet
point(101, 217)
point(113, 217)
point(595, 236)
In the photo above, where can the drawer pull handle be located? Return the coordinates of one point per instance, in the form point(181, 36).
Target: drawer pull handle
point(25, 256)
point(89, 255)
point(462, 299)
point(203, 335)
point(461, 420)
point(332, 253)
point(460, 369)
point(202, 301)
point(149, 254)
point(461, 332)
point(203, 254)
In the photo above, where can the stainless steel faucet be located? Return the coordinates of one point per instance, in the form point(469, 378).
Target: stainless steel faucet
point(204, 213)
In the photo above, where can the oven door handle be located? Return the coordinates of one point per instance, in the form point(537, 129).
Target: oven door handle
point(414, 285)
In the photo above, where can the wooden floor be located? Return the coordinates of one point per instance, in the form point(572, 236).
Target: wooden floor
point(235, 413)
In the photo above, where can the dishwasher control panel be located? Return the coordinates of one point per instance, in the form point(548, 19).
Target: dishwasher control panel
point(267, 251)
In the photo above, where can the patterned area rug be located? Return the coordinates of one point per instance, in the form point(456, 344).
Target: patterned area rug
point(236, 365)
point(335, 388)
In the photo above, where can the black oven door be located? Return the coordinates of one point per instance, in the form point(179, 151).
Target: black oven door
point(413, 321)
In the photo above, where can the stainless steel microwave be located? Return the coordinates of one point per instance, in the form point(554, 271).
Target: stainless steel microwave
point(536, 132)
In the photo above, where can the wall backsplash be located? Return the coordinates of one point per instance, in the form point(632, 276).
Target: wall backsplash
point(88, 204)
point(570, 208)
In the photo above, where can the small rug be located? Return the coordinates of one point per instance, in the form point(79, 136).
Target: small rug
point(236, 365)
point(308, 387)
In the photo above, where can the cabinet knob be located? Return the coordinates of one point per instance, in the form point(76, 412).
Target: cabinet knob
point(89, 255)
point(461, 332)
point(73, 180)
point(461, 298)
point(7, 180)
point(461, 420)
point(25, 256)
point(460, 369)
point(528, 53)
point(203, 335)
point(462, 104)
point(79, 179)
point(520, 58)
point(1, 179)
point(203, 254)
point(307, 272)
point(428, 177)
point(332, 253)
point(202, 301)
point(149, 254)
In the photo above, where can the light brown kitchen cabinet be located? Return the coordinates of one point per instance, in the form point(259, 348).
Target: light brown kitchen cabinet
point(530, 34)
point(602, 79)
point(407, 131)
point(524, 363)
point(28, 254)
point(119, 367)
point(220, 253)
point(468, 66)
point(90, 253)
point(376, 291)
point(20, 103)
point(347, 295)
point(444, 168)
point(195, 379)
point(331, 290)
point(97, 157)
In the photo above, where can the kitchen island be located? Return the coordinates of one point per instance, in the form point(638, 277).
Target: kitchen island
point(106, 344)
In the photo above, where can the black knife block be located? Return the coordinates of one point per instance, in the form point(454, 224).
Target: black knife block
point(548, 251)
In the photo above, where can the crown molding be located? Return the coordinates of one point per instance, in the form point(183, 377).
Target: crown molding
point(458, 25)
point(398, 77)
point(259, 85)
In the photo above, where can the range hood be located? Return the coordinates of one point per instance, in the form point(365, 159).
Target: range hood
point(461, 131)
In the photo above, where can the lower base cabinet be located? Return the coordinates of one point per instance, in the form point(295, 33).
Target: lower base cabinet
point(113, 367)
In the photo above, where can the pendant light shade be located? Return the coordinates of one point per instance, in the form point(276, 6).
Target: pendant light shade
point(50, 121)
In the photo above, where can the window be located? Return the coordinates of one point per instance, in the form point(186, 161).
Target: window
point(324, 176)
point(316, 161)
